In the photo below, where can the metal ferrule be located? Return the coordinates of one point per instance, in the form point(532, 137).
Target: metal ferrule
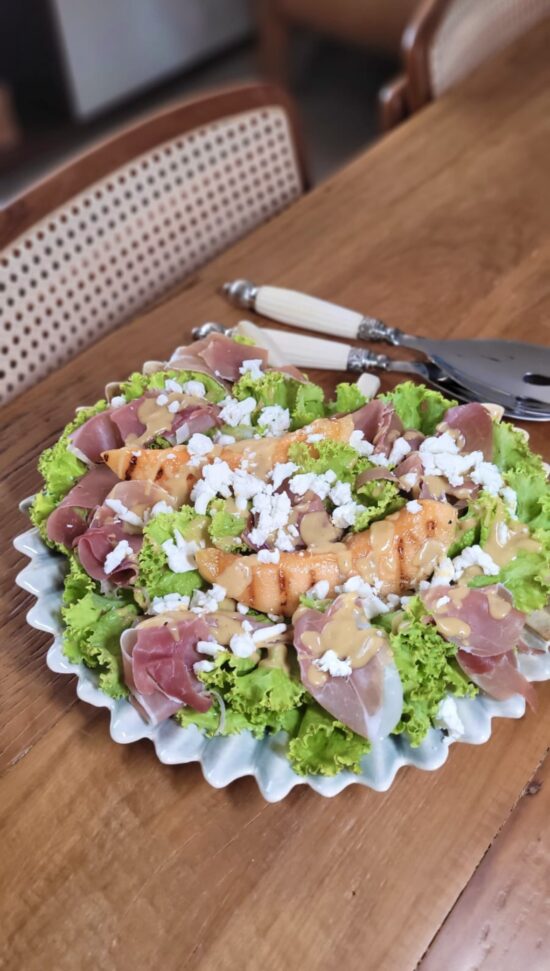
point(372, 329)
point(360, 359)
point(241, 293)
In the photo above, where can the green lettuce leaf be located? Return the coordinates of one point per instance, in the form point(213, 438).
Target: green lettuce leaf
point(327, 454)
point(137, 384)
point(93, 625)
point(523, 471)
point(380, 498)
point(475, 524)
point(225, 528)
point(242, 339)
point(304, 400)
point(154, 575)
point(324, 746)
point(418, 406)
point(348, 398)
point(314, 603)
point(60, 469)
point(527, 577)
point(428, 672)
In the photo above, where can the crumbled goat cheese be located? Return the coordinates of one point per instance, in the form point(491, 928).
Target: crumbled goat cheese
point(199, 444)
point(201, 667)
point(209, 647)
point(400, 448)
point(264, 634)
point(268, 556)
point(221, 439)
point(207, 601)
point(510, 500)
point(340, 493)
point(487, 475)
point(195, 388)
point(242, 645)
point(121, 551)
point(118, 401)
point(171, 385)
point(378, 458)
point(503, 533)
point(235, 412)
point(124, 514)
point(170, 601)
point(319, 590)
point(160, 506)
point(474, 556)
point(358, 442)
point(346, 515)
point(443, 574)
point(174, 407)
point(414, 506)
point(274, 419)
point(310, 481)
point(216, 479)
point(180, 553)
point(448, 718)
point(245, 487)
point(441, 602)
point(276, 618)
point(280, 472)
point(252, 367)
point(283, 541)
point(371, 603)
point(331, 664)
point(162, 400)
point(242, 608)
point(314, 437)
point(272, 513)
point(409, 480)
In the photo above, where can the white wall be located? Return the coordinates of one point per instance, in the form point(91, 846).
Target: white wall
point(113, 48)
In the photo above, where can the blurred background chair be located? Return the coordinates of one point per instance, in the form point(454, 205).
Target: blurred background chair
point(447, 39)
point(116, 228)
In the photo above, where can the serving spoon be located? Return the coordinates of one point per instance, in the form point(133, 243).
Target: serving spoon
point(519, 370)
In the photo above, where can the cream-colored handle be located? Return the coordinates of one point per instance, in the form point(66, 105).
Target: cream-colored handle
point(289, 348)
point(299, 310)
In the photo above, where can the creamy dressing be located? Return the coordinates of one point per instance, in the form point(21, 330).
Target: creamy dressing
point(517, 538)
point(158, 418)
point(316, 529)
point(347, 633)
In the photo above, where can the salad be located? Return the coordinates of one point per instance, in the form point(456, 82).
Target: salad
point(245, 553)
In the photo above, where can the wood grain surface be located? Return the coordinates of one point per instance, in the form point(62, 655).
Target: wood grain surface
point(113, 861)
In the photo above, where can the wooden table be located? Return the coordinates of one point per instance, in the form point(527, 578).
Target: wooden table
point(111, 860)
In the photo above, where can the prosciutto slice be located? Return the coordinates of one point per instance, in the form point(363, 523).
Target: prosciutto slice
point(226, 356)
point(369, 700)
point(97, 542)
point(137, 496)
point(380, 424)
point(475, 424)
point(478, 630)
point(98, 434)
point(498, 676)
point(158, 666)
point(197, 416)
point(66, 523)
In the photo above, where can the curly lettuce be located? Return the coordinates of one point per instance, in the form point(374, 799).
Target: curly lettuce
point(225, 528)
point(137, 384)
point(418, 407)
point(305, 401)
point(324, 746)
point(154, 576)
point(428, 672)
point(380, 498)
point(93, 625)
point(348, 398)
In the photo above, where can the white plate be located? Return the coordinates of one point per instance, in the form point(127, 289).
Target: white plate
point(223, 760)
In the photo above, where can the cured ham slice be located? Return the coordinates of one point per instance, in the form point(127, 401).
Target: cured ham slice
point(66, 523)
point(380, 424)
point(369, 700)
point(97, 435)
point(498, 676)
point(134, 497)
point(482, 622)
point(97, 542)
point(226, 356)
point(158, 659)
point(475, 424)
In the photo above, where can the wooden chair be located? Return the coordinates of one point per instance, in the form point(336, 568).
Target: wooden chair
point(447, 39)
point(116, 228)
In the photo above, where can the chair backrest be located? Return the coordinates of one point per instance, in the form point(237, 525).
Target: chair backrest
point(115, 229)
point(447, 39)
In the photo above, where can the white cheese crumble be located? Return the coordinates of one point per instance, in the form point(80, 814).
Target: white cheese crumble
point(203, 667)
point(160, 506)
point(448, 718)
point(209, 647)
point(400, 448)
point(194, 388)
point(409, 480)
point(174, 407)
point(265, 634)
point(443, 574)
point(124, 514)
point(441, 602)
point(235, 412)
point(221, 439)
point(414, 506)
point(272, 512)
point(117, 555)
point(174, 386)
point(358, 442)
point(242, 645)
point(378, 458)
point(510, 499)
point(503, 533)
point(170, 601)
point(268, 556)
point(314, 437)
point(283, 541)
point(216, 478)
point(207, 601)
point(118, 401)
point(252, 367)
point(161, 400)
point(310, 481)
point(280, 472)
point(319, 590)
point(180, 553)
point(440, 456)
point(474, 556)
point(346, 515)
point(340, 493)
point(331, 664)
point(243, 608)
point(199, 444)
point(487, 475)
point(371, 603)
point(274, 419)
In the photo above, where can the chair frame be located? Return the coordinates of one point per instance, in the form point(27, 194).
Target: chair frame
point(96, 163)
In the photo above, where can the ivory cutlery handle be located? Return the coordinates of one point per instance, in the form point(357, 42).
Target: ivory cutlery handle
point(294, 308)
point(305, 352)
